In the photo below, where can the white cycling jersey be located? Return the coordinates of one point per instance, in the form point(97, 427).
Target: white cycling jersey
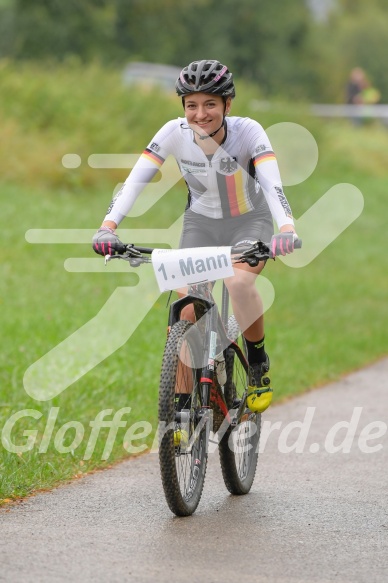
point(227, 184)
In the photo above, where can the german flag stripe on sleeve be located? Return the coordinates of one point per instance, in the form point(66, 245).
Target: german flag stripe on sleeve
point(264, 157)
point(152, 157)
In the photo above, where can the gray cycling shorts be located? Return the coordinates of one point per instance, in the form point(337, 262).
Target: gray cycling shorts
point(200, 231)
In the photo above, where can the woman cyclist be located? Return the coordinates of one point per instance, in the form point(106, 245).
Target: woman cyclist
point(234, 193)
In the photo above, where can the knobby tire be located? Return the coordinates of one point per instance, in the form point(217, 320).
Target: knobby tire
point(239, 446)
point(182, 468)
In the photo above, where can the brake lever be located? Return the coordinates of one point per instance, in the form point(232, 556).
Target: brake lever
point(131, 251)
point(250, 255)
point(108, 258)
point(252, 261)
point(259, 247)
point(124, 256)
point(136, 261)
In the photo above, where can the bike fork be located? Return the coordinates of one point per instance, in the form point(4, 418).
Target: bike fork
point(208, 369)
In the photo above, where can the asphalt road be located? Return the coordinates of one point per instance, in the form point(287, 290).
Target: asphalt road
point(318, 514)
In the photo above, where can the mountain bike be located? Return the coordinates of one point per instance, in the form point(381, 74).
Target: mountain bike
point(204, 374)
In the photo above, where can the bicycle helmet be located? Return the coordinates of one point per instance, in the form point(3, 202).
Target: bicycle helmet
point(205, 76)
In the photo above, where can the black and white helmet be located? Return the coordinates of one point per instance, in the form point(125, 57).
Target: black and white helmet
point(206, 77)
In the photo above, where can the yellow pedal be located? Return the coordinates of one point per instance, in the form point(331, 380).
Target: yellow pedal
point(181, 438)
point(259, 400)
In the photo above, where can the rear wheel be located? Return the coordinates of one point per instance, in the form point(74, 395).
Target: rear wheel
point(238, 448)
point(183, 443)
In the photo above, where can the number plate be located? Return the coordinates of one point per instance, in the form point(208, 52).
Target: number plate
point(176, 268)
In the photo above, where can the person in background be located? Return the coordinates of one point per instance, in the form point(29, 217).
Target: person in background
point(356, 85)
point(359, 91)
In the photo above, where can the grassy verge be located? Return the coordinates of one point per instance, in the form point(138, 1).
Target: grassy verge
point(327, 318)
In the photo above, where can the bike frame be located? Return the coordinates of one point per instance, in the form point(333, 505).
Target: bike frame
point(212, 324)
point(213, 327)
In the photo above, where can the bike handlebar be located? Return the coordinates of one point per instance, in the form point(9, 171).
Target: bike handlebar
point(251, 254)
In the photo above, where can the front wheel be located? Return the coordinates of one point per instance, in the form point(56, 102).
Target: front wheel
point(238, 447)
point(183, 440)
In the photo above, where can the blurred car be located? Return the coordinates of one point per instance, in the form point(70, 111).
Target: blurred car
point(151, 74)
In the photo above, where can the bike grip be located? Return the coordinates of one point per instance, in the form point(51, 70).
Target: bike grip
point(298, 244)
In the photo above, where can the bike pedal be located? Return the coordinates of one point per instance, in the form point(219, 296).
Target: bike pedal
point(181, 438)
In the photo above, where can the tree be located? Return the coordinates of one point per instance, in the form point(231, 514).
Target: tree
point(276, 44)
point(260, 40)
point(359, 34)
point(54, 29)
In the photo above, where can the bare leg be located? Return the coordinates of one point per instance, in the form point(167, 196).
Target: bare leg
point(246, 301)
point(184, 378)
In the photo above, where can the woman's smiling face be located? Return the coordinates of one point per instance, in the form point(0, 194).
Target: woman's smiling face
point(205, 112)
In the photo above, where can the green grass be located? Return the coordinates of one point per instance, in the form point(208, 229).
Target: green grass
point(42, 304)
point(327, 318)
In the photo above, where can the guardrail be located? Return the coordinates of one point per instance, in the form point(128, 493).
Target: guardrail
point(364, 110)
point(379, 111)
